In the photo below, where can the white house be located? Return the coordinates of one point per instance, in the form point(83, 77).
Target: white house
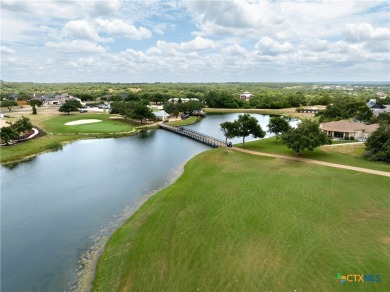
point(183, 100)
point(161, 115)
point(246, 96)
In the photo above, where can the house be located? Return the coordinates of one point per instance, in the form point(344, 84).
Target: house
point(49, 99)
point(348, 130)
point(161, 115)
point(246, 96)
point(183, 100)
point(374, 105)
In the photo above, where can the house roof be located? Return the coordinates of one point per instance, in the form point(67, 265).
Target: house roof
point(161, 114)
point(348, 127)
point(372, 103)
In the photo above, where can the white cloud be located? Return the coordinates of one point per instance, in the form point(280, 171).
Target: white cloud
point(62, 9)
point(81, 29)
point(75, 46)
point(118, 27)
point(234, 49)
point(198, 44)
point(361, 32)
point(5, 50)
point(269, 46)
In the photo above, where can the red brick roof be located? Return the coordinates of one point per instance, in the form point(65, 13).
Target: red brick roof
point(348, 127)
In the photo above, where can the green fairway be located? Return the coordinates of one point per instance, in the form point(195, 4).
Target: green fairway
point(270, 145)
point(236, 222)
point(107, 125)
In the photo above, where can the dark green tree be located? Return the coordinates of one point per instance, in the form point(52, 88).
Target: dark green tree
point(22, 125)
point(70, 106)
point(278, 125)
point(35, 102)
point(142, 112)
point(8, 104)
point(229, 130)
point(363, 113)
point(378, 144)
point(8, 134)
point(306, 136)
point(247, 125)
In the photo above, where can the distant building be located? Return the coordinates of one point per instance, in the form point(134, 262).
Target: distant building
point(246, 96)
point(183, 100)
point(161, 115)
point(348, 130)
point(375, 106)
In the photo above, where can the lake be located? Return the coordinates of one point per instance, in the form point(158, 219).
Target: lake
point(56, 207)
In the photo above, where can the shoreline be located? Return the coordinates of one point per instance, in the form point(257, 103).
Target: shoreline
point(76, 137)
point(86, 271)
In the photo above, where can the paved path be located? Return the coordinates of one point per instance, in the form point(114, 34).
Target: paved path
point(335, 165)
point(343, 144)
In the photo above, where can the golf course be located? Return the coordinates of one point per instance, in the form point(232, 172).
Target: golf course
point(239, 222)
point(95, 123)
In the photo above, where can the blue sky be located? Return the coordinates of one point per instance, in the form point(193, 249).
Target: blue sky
point(195, 41)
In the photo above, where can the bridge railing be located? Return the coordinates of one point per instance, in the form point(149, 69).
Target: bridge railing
point(206, 139)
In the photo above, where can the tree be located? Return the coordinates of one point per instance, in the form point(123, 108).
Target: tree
point(8, 134)
point(70, 106)
point(364, 113)
point(306, 136)
point(35, 102)
point(22, 125)
point(378, 144)
point(246, 125)
point(229, 130)
point(34, 110)
point(278, 125)
point(8, 104)
point(141, 112)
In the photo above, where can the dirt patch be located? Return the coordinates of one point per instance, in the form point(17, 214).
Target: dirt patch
point(3, 123)
point(81, 122)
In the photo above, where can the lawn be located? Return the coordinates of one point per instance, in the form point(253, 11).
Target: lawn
point(236, 222)
point(270, 145)
point(33, 147)
point(189, 121)
point(107, 125)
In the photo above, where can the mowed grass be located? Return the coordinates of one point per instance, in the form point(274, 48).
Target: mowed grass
point(270, 145)
point(191, 120)
point(33, 147)
point(238, 222)
point(107, 125)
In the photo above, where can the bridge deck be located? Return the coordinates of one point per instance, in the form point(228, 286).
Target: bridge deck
point(205, 139)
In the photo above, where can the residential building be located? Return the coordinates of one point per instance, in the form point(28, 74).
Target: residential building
point(246, 96)
point(348, 130)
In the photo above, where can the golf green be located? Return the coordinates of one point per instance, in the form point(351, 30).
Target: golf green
point(106, 124)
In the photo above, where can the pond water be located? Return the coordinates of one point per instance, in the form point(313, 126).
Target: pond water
point(55, 206)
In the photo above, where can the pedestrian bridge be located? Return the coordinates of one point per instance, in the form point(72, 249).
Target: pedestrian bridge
point(203, 138)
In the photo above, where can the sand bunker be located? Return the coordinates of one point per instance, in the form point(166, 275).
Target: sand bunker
point(81, 122)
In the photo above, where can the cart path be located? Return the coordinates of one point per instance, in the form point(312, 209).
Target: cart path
point(335, 165)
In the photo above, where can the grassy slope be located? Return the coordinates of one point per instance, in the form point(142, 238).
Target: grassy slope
point(191, 120)
point(235, 222)
point(57, 124)
point(271, 146)
point(33, 147)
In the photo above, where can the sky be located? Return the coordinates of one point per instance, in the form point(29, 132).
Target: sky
point(195, 41)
